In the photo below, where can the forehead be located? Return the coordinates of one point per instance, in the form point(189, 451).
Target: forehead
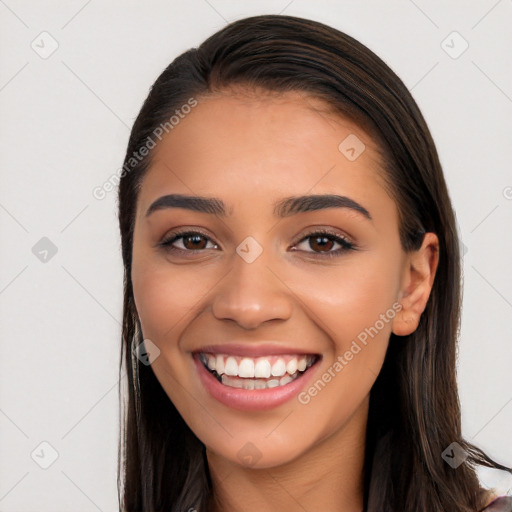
point(264, 144)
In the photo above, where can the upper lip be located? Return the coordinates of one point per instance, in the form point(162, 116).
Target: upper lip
point(252, 350)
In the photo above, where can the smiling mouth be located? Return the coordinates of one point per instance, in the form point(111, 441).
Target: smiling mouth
point(262, 372)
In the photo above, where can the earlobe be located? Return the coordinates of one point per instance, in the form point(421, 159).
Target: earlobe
point(417, 285)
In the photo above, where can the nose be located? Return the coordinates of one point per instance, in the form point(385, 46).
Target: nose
point(251, 294)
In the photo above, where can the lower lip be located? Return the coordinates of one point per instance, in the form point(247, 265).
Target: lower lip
point(252, 399)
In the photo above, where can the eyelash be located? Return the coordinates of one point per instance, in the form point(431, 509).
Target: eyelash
point(346, 245)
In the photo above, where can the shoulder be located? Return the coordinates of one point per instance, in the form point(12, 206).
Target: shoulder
point(499, 504)
point(496, 485)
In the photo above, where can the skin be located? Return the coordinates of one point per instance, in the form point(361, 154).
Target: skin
point(251, 150)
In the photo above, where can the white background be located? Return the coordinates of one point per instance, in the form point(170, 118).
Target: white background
point(64, 126)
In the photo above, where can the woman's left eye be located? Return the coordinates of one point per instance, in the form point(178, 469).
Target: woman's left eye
point(324, 242)
point(321, 242)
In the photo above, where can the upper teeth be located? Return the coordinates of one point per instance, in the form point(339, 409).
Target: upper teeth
point(259, 367)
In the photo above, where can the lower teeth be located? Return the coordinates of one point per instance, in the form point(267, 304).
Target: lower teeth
point(248, 383)
point(245, 383)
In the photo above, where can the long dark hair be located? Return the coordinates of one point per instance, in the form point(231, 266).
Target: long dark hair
point(414, 407)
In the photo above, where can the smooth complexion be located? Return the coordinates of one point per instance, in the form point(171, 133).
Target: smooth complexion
point(251, 151)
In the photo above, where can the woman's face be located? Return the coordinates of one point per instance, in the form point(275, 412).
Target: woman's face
point(261, 283)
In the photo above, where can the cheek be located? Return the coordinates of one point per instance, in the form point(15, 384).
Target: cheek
point(346, 300)
point(354, 308)
point(165, 297)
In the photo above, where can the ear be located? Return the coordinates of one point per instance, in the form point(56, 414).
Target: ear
point(418, 278)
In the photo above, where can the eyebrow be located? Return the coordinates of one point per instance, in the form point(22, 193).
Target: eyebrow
point(283, 208)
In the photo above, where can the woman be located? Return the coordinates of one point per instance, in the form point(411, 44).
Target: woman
point(292, 286)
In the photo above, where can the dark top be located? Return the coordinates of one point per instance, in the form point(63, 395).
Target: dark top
point(501, 504)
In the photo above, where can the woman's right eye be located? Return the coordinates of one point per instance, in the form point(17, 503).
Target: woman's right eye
point(190, 241)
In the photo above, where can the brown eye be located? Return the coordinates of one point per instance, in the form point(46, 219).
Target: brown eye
point(188, 241)
point(194, 242)
point(321, 244)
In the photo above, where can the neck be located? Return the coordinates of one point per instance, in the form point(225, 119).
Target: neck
point(328, 477)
